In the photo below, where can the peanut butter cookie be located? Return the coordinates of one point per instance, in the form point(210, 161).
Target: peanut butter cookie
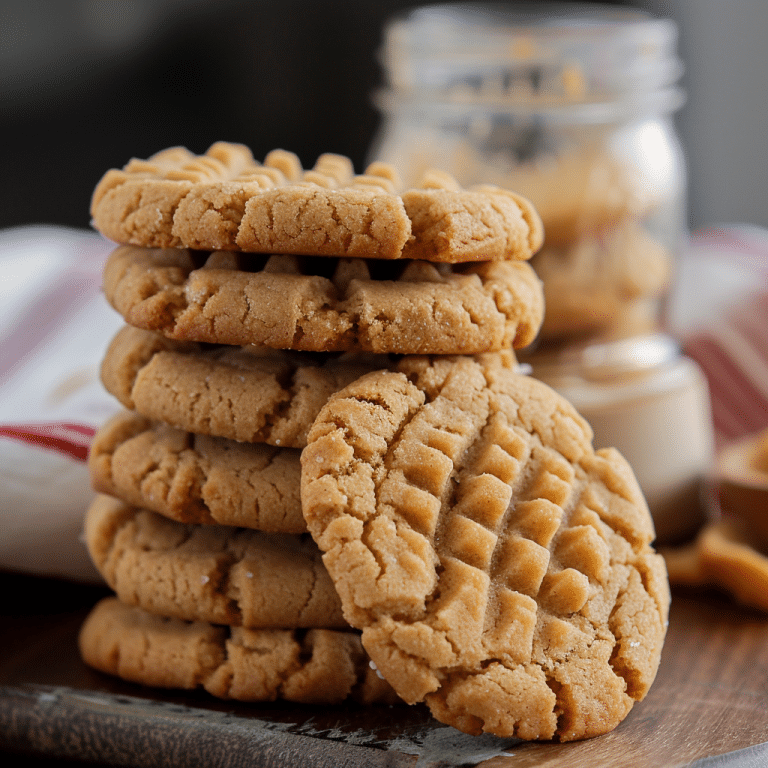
point(196, 478)
point(245, 393)
point(214, 573)
point(316, 666)
point(226, 200)
point(326, 305)
point(499, 567)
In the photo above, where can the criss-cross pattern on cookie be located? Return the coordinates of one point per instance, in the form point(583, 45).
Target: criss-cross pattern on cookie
point(499, 567)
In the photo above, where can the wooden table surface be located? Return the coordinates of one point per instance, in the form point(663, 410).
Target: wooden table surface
point(710, 697)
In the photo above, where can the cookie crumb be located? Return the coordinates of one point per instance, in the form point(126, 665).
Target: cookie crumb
point(372, 665)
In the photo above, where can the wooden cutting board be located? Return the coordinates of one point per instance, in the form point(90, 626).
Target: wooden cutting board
point(710, 697)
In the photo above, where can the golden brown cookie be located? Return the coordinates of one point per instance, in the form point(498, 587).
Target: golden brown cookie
point(215, 573)
point(225, 200)
point(499, 567)
point(196, 478)
point(316, 666)
point(326, 305)
point(248, 394)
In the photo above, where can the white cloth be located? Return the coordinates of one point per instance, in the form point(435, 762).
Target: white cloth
point(54, 328)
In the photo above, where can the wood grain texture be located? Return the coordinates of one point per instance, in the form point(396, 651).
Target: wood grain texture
point(710, 697)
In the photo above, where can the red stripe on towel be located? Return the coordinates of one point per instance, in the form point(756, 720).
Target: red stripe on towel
point(63, 437)
point(738, 407)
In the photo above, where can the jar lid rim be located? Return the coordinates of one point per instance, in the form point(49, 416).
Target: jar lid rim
point(571, 18)
point(596, 361)
point(572, 48)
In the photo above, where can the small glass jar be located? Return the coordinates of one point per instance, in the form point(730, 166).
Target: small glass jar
point(644, 398)
point(571, 106)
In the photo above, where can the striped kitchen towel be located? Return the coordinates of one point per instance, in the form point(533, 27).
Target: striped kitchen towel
point(724, 324)
point(54, 328)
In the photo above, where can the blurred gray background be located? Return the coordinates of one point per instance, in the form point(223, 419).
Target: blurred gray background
point(724, 123)
point(87, 84)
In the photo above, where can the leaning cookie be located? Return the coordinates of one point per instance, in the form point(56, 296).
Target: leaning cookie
point(316, 666)
point(213, 573)
point(326, 305)
point(248, 394)
point(196, 478)
point(499, 567)
point(226, 200)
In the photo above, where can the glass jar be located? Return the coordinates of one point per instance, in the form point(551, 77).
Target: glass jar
point(571, 106)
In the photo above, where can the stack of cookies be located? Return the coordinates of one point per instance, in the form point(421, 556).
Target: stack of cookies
point(330, 479)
